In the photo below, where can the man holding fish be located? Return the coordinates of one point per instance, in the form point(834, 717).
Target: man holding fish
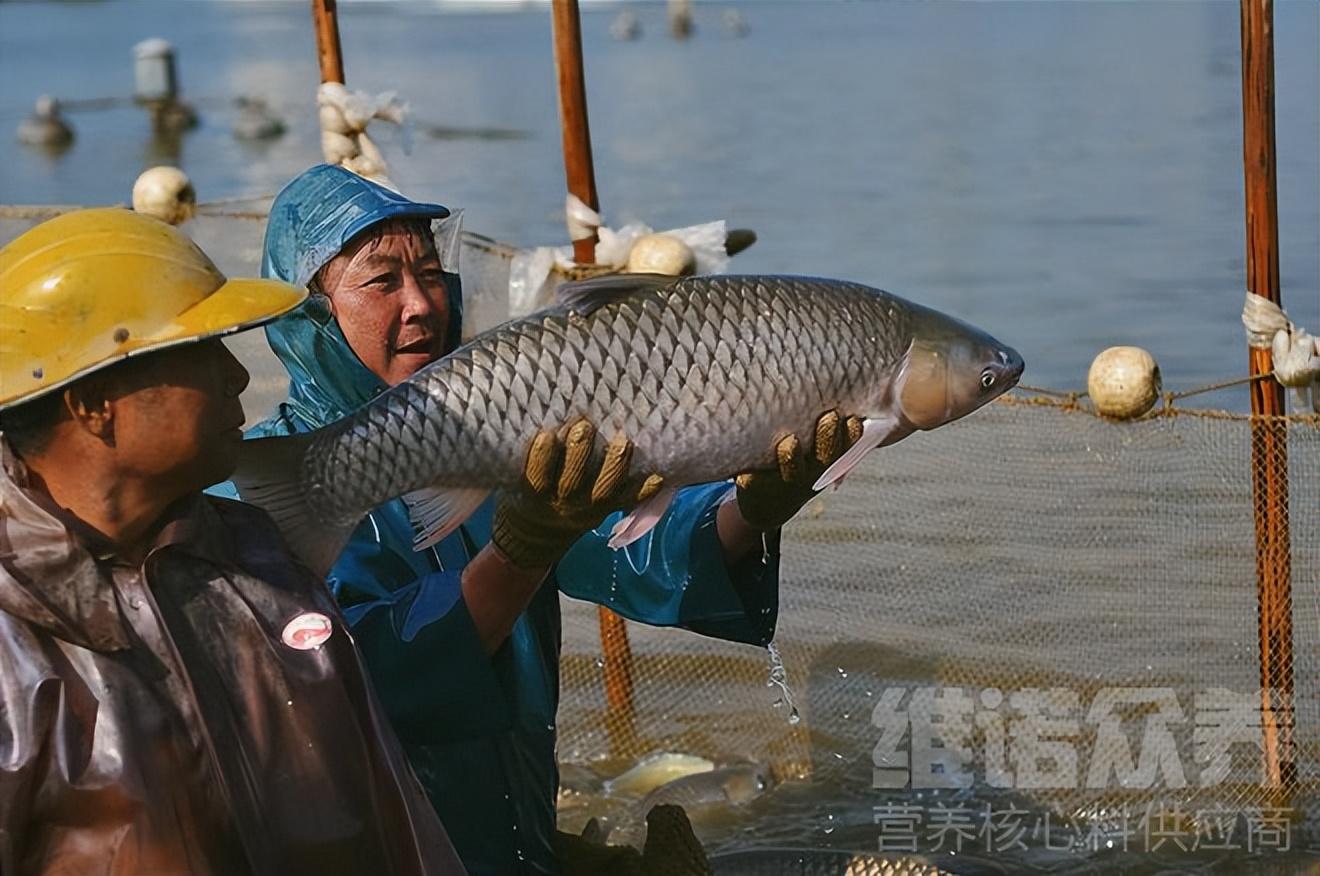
point(630, 405)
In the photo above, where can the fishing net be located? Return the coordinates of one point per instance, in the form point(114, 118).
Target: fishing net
point(1031, 610)
point(1031, 614)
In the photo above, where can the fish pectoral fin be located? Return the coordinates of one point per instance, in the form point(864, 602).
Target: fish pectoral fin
point(874, 433)
point(584, 296)
point(268, 477)
point(435, 513)
point(642, 519)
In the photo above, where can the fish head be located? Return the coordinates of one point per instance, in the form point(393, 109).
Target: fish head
point(742, 783)
point(950, 370)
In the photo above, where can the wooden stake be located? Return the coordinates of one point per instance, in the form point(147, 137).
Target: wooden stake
point(573, 117)
point(1269, 433)
point(581, 176)
point(325, 14)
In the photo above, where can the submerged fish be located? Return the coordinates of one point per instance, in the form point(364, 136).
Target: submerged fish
point(732, 785)
point(817, 862)
point(701, 796)
point(655, 770)
point(705, 375)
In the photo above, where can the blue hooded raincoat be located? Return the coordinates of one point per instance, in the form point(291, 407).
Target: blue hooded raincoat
point(477, 728)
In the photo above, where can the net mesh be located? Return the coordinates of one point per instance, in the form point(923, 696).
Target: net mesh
point(1014, 581)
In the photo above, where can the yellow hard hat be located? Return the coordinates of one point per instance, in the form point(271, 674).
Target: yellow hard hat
point(92, 287)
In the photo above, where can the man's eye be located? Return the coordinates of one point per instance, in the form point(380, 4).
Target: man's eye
point(381, 280)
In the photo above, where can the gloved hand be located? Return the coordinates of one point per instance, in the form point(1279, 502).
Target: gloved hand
point(564, 496)
point(768, 499)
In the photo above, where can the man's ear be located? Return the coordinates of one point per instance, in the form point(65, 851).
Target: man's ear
point(91, 406)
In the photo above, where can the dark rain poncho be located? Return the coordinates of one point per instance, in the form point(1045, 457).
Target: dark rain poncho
point(155, 719)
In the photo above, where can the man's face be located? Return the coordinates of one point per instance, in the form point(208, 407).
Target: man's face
point(387, 292)
point(177, 418)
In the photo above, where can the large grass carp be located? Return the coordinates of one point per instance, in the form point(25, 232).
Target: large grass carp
point(704, 375)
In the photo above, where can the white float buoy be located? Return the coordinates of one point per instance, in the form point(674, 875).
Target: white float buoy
point(166, 193)
point(1124, 382)
point(45, 127)
point(661, 254)
point(256, 121)
point(626, 26)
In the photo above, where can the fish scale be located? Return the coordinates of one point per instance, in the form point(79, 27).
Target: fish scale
point(698, 367)
point(704, 375)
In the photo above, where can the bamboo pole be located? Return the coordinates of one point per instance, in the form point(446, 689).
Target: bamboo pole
point(581, 176)
point(1269, 444)
point(578, 166)
point(325, 14)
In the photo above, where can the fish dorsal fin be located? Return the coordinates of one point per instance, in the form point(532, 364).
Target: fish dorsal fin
point(584, 296)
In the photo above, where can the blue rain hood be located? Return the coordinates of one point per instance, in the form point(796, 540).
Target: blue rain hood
point(321, 210)
point(311, 220)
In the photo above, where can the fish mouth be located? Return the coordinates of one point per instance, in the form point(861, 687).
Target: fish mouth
point(1011, 366)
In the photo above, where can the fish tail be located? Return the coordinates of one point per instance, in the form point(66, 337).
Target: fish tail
point(269, 476)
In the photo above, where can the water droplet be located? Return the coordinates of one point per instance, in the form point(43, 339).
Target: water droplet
point(600, 662)
point(829, 830)
point(842, 674)
point(779, 679)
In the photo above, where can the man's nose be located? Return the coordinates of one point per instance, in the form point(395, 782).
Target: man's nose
point(422, 299)
point(236, 376)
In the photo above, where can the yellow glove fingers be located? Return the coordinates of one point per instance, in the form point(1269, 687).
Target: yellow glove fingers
point(650, 487)
point(541, 461)
point(826, 446)
point(788, 452)
point(618, 454)
point(854, 431)
point(745, 480)
point(577, 453)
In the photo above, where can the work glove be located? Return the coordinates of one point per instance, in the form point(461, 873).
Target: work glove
point(564, 495)
point(671, 849)
point(768, 499)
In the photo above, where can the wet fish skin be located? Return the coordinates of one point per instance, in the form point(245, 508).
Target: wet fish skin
point(656, 771)
point(732, 785)
point(704, 375)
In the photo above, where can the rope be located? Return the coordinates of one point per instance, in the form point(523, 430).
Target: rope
point(1294, 352)
point(344, 118)
point(582, 220)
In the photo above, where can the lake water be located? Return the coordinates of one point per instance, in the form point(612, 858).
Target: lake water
point(1066, 175)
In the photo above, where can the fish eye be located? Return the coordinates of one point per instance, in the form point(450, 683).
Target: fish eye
point(987, 378)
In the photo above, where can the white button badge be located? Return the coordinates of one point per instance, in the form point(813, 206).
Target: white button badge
point(307, 631)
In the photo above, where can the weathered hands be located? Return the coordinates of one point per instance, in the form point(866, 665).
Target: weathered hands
point(565, 495)
point(767, 499)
